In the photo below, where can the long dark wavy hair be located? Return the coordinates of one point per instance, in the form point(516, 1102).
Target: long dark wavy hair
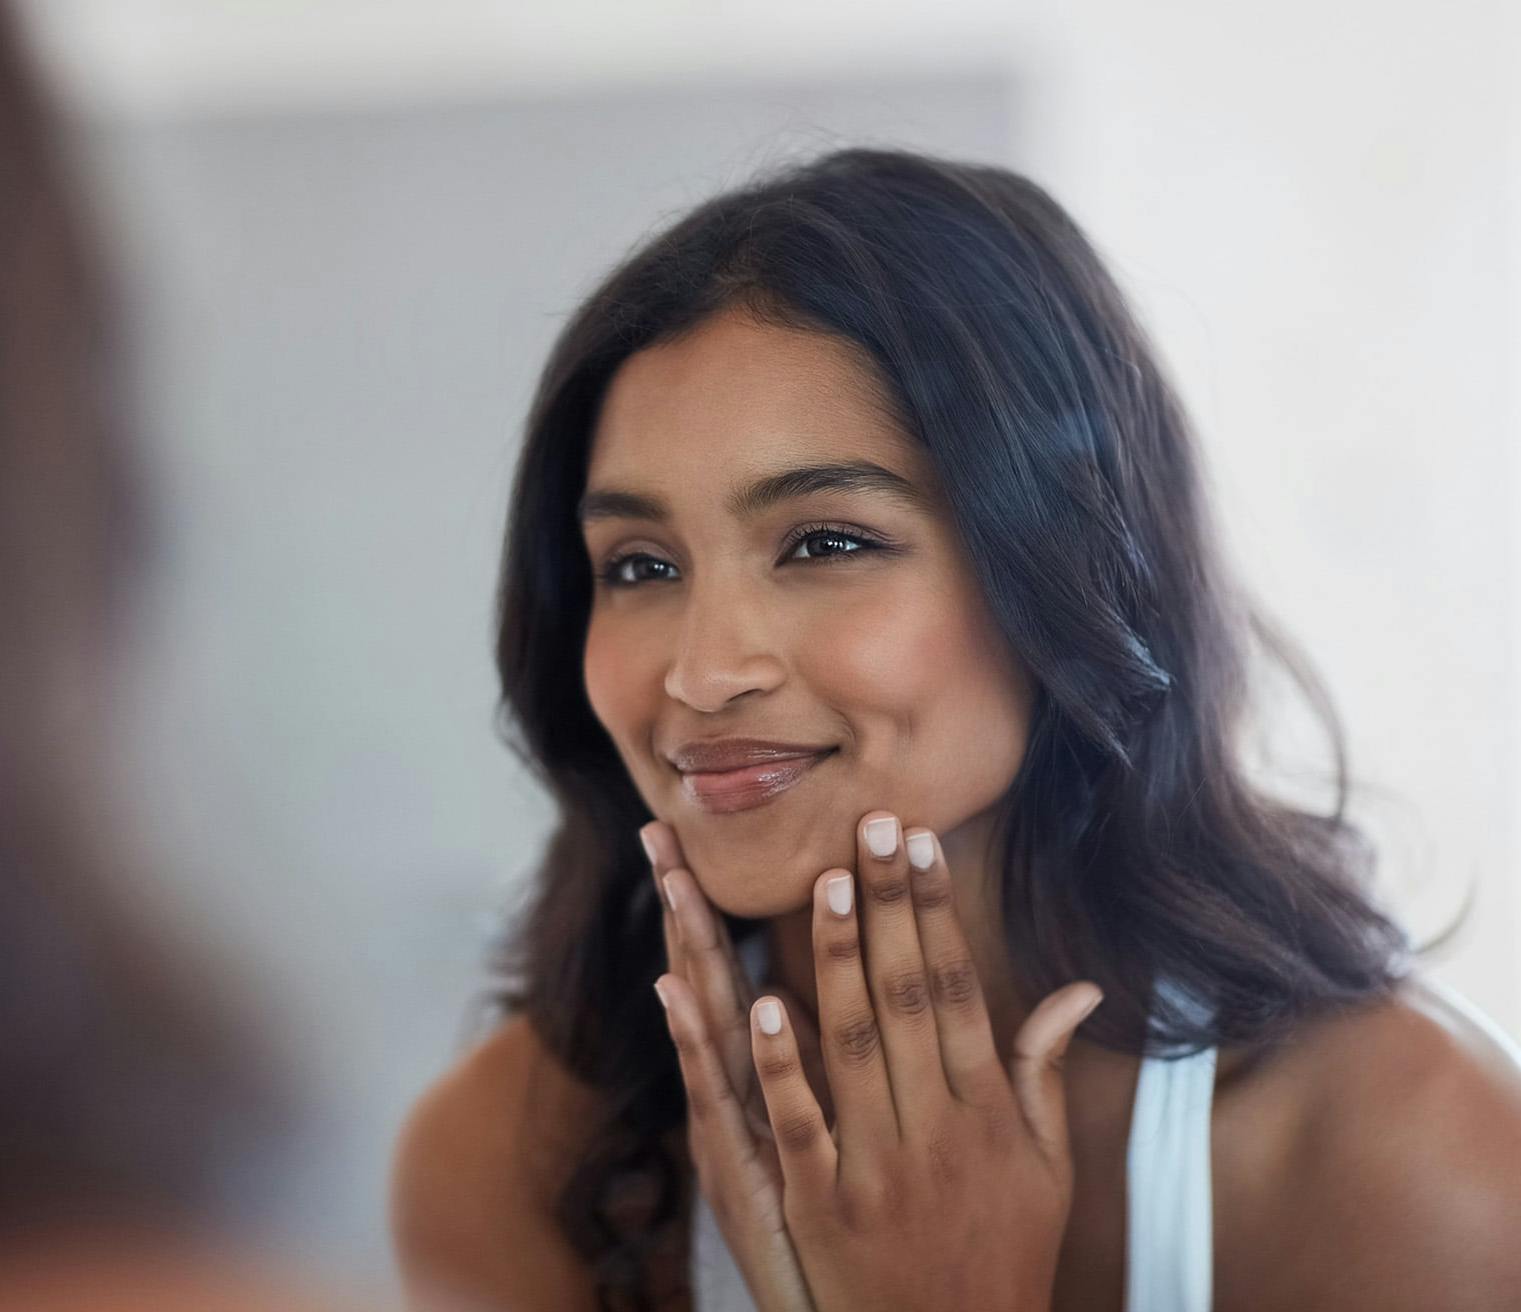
point(1134, 845)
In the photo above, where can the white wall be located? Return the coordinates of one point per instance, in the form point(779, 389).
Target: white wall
point(1313, 204)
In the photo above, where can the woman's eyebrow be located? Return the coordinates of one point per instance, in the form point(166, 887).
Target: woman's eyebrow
point(764, 492)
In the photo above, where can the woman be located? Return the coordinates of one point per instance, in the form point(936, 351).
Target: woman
point(869, 461)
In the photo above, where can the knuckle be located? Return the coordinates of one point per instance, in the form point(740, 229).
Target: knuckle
point(888, 889)
point(688, 1046)
point(907, 993)
point(699, 1106)
point(777, 1065)
point(797, 1132)
point(858, 1039)
point(845, 949)
point(933, 891)
point(706, 1101)
point(954, 982)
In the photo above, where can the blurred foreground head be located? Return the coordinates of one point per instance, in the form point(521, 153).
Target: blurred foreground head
point(125, 1087)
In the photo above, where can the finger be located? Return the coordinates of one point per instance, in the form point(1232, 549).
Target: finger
point(895, 970)
point(715, 1117)
point(1036, 1066)
point(705, 948)
point(806, 1036)
point(664, 849)
point(967, 1049)
point(659, 864)
point(848, 1032)
point(808, 1155)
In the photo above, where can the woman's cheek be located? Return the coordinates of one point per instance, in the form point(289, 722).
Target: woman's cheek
point(600, 692)
point(614, 681)
point(887, 650)
point(931, 693)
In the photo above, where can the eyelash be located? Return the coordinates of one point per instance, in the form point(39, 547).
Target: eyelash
point(607, 575)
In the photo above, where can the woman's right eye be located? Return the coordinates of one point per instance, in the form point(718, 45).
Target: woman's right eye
point(610, 572)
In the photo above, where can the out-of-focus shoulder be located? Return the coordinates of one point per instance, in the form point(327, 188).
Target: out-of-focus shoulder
point(478, 1162)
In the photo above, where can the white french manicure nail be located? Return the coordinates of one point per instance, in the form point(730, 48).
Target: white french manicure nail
point(769, 1014)
point(837, 892)
point(882, 836)
point(921, 850)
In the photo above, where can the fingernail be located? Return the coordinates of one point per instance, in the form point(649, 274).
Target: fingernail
point(882, 836)
point(1089, 1009)
point(837, 892)
point(649, 847)
point(921, 850)
point(660, 993)
point(769, 1014)
point(669, 886)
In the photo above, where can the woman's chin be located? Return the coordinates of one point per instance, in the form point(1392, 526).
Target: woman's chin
point(775, 884)
point(759, 900)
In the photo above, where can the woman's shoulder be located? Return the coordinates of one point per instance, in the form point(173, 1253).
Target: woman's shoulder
point(510, 1068)
point(1381, 1146)
point(478, 1162)
point(1414, 1080)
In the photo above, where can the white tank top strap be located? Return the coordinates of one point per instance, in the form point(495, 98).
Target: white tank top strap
point(1169, 1232)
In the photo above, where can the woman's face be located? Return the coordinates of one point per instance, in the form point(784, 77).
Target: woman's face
point(756, 622)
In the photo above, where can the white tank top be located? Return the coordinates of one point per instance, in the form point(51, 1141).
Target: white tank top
point(1169, 1232)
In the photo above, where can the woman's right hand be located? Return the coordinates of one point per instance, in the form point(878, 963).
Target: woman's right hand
point(716, 984)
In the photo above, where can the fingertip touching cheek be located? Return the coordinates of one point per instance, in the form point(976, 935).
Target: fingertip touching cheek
point(743, 597)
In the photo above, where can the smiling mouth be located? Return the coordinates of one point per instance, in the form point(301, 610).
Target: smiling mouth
point(722, 791)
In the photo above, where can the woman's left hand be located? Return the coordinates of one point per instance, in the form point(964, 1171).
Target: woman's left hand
point(946, 1180)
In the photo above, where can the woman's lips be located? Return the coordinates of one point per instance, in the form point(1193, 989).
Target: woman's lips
point(750, 786)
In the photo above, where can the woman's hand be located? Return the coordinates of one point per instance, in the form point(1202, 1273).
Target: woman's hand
point(947, 1180)
point(708, 995)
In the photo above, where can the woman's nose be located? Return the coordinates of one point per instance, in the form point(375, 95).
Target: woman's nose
point(723, 647)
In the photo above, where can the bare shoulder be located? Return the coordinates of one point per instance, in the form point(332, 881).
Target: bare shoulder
point(1396, 1174)
point(477, 1165)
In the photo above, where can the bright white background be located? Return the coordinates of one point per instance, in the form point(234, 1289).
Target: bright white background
point(350, 230)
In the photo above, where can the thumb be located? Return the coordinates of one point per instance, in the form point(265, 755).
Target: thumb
point(1035, 1069)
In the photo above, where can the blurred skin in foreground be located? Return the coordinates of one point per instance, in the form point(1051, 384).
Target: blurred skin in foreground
point(137, 1106)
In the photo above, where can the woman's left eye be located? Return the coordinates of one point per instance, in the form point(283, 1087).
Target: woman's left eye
point(827, 534)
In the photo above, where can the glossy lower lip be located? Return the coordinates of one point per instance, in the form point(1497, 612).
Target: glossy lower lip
point(722, 791)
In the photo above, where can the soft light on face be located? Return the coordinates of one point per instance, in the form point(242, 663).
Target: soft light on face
point(760, 623)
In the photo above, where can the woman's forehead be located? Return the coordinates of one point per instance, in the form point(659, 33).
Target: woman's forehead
point(735, 390)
